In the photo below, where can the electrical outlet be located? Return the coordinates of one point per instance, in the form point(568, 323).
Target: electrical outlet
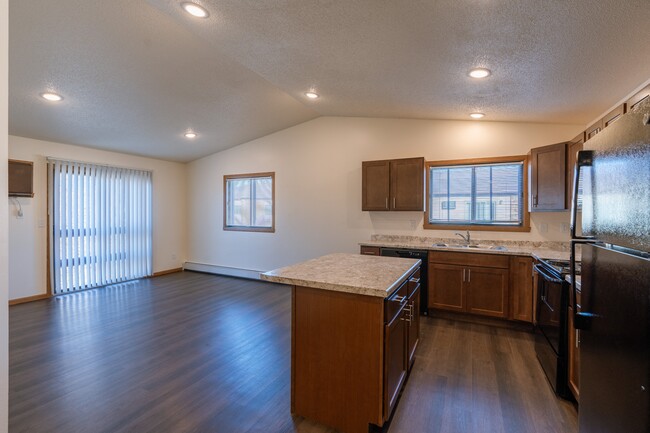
point(543, 228)
point(173, 256)
point(41, 223)
point(565, 227)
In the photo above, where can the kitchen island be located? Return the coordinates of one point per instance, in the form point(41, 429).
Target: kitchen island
point(354, 332)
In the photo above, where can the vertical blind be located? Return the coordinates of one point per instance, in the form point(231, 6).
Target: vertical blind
point(100, 224)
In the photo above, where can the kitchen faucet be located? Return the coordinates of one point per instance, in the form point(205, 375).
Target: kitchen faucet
point(465, 238)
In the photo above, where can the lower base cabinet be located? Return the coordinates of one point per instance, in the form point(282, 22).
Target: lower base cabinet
point(491, 285)
point(351, 354)
point(469, 283)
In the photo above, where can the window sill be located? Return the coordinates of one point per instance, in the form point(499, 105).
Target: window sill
point(250, 229)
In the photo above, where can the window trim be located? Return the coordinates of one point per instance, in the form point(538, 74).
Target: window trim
point(227, 177)
point(525, 225)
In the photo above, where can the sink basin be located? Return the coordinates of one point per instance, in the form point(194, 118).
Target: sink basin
point(473, 246)
point(485, 247)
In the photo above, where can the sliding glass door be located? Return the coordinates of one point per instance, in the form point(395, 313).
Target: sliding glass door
point(100, 225)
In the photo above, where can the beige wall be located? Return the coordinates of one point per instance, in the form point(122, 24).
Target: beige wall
point(318, 185)
point(28, 235)
point(4, 265)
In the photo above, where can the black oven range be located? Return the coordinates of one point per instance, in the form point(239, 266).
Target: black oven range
point(551, 339)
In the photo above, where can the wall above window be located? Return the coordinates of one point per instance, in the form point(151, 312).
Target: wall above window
point(479, 194)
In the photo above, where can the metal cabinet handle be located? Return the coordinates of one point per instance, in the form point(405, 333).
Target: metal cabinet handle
point(464, 274)
point(469, 275)
point(393, 202)
point(387, 203)
point(400, 299)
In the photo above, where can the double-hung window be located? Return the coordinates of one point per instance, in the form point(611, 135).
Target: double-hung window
point(249, 202)
point(486, 194)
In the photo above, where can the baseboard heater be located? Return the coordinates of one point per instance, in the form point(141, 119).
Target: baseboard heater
point(222, 270)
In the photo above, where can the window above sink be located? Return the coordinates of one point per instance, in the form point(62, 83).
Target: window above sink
point(478, 194)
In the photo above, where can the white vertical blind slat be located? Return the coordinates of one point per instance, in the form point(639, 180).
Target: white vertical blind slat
point(100, 225)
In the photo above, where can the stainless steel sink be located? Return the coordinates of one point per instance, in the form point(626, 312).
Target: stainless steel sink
point(473, 246)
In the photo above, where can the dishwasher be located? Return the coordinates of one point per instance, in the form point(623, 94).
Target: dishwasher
point(415, 254)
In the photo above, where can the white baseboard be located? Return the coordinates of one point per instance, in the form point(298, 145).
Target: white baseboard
point(222, 270)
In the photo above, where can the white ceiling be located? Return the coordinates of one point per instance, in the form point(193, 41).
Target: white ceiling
point(137, 74)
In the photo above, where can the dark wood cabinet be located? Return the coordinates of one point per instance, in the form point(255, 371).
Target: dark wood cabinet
point(637, 98)
point(395, 365)
point(548, 178)
point(413, 323)
point(593, 130)
point(573, 147)
point(446, 287)
point(521, 289)
point(469, 282)
point(375, 185)
point(370, 251)
point(613, 115)
point(487, 291)
point(393, 185)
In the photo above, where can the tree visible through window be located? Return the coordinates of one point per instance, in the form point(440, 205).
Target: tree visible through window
point(249, 202)
point(476, 194)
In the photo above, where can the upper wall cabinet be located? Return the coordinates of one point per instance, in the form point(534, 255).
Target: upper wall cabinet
point(548, 178)
point(639, 97)
point(573, 147)
point(396, 184)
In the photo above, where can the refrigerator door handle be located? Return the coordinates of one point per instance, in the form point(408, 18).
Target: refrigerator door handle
point(584, 159)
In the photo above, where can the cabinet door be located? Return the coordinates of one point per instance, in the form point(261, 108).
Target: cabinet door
point(414, 324)
point(394, 361)
point(639, 97)
point(370, 251)
point(407, 184)
point(446, 287)
point(487, 291)
point(375, 185)
point(548, 177)
point(593, 130)
point(573, 148)
point(521, 289)
point(613, 115)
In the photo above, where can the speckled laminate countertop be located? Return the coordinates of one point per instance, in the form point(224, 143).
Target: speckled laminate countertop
point(535, 250)
point(350, 273)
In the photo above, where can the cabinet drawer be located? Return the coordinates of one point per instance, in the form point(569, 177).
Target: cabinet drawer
point(469, 259)
point(414, 281)
point(370, 251)
point(394, 304)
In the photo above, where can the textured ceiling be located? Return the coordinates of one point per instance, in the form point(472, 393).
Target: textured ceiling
point(137, 74)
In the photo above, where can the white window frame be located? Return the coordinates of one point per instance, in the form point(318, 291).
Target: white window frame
point(227, 205)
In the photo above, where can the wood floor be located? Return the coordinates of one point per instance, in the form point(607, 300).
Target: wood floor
point(192, 352)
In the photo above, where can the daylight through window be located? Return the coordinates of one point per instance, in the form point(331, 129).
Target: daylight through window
point(249, 202)
point(476, 194)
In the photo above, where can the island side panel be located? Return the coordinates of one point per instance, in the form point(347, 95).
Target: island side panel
point(337, 358)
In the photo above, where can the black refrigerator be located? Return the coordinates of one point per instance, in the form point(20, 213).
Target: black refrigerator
point(614, 318)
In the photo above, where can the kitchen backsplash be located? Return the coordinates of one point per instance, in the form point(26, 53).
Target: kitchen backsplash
point(423, 240)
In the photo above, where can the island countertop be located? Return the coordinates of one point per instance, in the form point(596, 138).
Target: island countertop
point(350, 273)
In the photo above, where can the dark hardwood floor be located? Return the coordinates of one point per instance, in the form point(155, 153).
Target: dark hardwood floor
point(192, 352)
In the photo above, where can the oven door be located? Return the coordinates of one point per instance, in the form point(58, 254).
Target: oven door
point(550, 296)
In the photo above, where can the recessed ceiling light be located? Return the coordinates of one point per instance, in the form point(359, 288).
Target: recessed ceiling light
point(312, 95)
point(195, 10)
point(190, 135)
point(477, 115)
point(480, 73)
point(53, 97)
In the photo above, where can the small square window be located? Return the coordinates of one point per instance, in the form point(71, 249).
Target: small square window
point(249, 202)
